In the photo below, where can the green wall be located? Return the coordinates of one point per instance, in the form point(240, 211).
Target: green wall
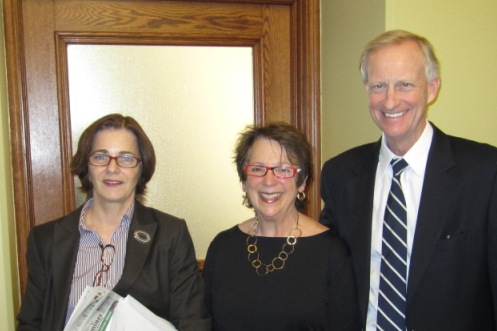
point(345, 27)
point(8, 258)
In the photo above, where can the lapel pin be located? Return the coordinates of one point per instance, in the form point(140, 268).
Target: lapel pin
point(142, 236)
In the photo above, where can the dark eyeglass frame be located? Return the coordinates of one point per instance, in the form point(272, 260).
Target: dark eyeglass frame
point(97, 280)
point(117, 158)
point(294, 170)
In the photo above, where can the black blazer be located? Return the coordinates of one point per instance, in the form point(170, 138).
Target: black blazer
point(452, 282)
point(162, 274)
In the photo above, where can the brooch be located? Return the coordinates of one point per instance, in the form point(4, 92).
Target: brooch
point(142, 236)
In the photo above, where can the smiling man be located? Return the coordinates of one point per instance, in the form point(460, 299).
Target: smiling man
point(423, 236)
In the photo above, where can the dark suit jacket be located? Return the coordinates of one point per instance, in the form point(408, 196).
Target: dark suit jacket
point(162, 274)
point(452, 282)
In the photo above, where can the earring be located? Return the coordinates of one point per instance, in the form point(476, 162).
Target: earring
point(246, 200)
point(301, 196)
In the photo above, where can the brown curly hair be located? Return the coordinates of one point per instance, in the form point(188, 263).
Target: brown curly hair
point(294, 143)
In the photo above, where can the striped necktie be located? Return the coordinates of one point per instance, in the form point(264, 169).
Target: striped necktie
point(393, 275)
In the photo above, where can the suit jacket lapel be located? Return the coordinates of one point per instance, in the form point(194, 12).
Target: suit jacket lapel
point(360, 190)
point(64, 253)
point(434, 205)
point(140, 238)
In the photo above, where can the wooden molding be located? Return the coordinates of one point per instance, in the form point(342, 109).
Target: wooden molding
point(35, 33)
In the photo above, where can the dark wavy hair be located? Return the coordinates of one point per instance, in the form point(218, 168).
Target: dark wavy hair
point(79, 162)
point(294, 143)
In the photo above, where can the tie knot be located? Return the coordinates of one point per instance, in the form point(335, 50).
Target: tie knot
point(398, 165)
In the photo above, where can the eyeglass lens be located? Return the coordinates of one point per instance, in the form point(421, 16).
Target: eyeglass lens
point(279, 171)
point(124, 161)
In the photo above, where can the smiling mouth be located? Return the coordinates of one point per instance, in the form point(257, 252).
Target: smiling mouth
point(270, 196)
point(395, 115)
point(112, 182)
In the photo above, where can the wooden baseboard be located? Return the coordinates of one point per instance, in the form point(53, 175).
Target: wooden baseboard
point(200, 263)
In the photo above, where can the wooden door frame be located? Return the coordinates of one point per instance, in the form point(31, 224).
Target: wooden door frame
point(305, 103)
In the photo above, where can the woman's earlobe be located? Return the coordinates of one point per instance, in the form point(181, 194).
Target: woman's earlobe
point(302, 186)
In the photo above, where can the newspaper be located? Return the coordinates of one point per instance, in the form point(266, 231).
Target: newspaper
point(100, 309)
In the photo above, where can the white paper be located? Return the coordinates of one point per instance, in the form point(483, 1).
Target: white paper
point(100, 309)
point(131, 315)
point(93, 310)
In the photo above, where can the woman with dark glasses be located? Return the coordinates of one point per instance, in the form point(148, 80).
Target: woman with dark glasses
point(113, 240)
point(280, 270)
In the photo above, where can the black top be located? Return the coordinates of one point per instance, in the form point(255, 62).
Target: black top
point(314, 290)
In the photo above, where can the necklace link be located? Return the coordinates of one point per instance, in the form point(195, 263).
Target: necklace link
point(279, 261)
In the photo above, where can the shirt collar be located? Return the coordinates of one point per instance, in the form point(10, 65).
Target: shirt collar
point(416, 157)
point(125, 220)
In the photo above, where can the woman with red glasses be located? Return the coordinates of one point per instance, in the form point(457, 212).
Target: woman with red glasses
point(113, 240)
point(280, 270)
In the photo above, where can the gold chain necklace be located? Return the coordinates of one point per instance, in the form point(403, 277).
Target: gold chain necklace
point(278, 262)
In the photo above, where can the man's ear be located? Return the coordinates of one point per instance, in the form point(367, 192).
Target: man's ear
point(433, 88)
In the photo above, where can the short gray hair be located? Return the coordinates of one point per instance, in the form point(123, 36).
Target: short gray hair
point(396, 37)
